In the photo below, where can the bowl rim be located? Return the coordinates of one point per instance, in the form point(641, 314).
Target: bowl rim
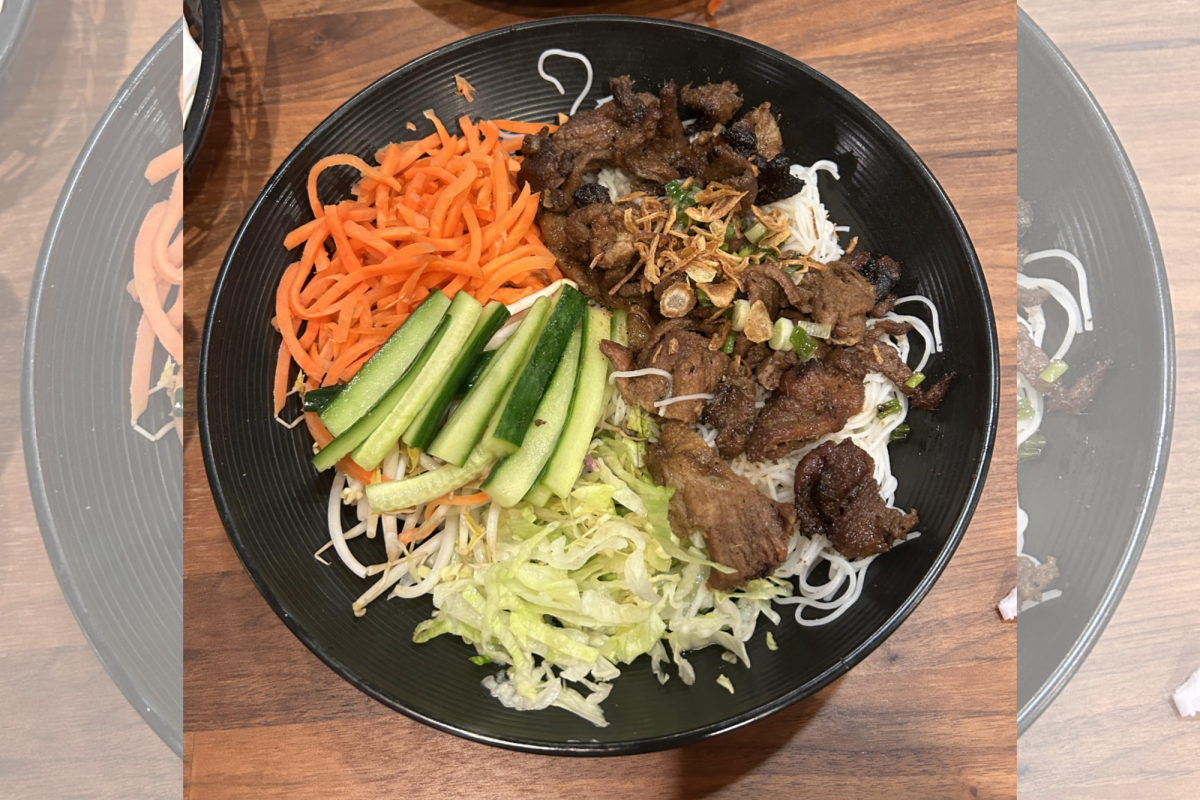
point(631, 746)
point(212, 48)
point(1028, 713)
point(106, 650)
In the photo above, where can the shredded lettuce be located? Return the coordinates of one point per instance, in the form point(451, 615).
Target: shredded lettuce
point(589, 582)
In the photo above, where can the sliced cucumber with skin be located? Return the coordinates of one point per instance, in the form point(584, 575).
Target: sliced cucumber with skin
point(358, 433)
point(516, 474)
point(462, 431)
point(429, 419)
point(543, 363)
point(475, 373)
point(462, 316)
point(316, 400)
point(620, 326)
point(392, 497)
point(389, 364)
point(538, 496)
point(586, 406)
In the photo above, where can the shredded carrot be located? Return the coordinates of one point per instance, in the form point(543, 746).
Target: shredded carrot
point(157, 271)
point(347, 466)
point(420, 533)
point(165, 165)
point(465, 89)
point(320, 433)
point(444, 212)
point(512, 126)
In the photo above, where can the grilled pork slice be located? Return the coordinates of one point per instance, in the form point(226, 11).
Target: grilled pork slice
point(743, 528)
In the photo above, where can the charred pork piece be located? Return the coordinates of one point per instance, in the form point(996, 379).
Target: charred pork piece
point(883, 272)
point(837, 497)
point(1032, 361)
point(543, 170)
point(774, 287)
point(930, 398)
point(727, 167)
point(1076, 399)
point(884, 306)
point(596, 235)
point(743, 528)
point(770, 372)
point(761, 123)
point(775, 179)
point(731, 412)
point(813, 399)
point(751, 353)
point(591, 193)
point(718, 102)
point(741, 140)
point(667, 155)
point(841, 297)
point(880, 357)
point(638, 326)
point(643, 391)
point(695, 369)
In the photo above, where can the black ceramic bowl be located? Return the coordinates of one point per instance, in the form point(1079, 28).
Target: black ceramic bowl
point(109, 502)
point(204, 21)
point(273, 504)
point(1092, 493)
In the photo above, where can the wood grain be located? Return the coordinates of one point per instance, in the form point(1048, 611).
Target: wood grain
point(930, 714)
point(66, 731)
point(1113, 731)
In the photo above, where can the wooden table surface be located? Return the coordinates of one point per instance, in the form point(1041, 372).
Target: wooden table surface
point(929, 714)
point(65, 728)
point(1113, 732)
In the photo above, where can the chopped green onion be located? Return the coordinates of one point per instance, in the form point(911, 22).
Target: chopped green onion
point(745, 251)
point(178, 409)
point(789, 269)
point(724, 248)
point(901, 431)
point(480, 660)
point(817, 330)
point(756, 232)
point(681, 197)
point(702, 298)
point(1024, 410)
point(1032, 446)
point(915, 381)
point(781, 335)
point(741, 309)
point(1053, 371)
point(802, 343)
point(730, 232)
point(727, 345)
point(887, 409)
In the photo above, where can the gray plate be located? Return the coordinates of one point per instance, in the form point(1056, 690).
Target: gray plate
point(1092, 493)
point(109, 502)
